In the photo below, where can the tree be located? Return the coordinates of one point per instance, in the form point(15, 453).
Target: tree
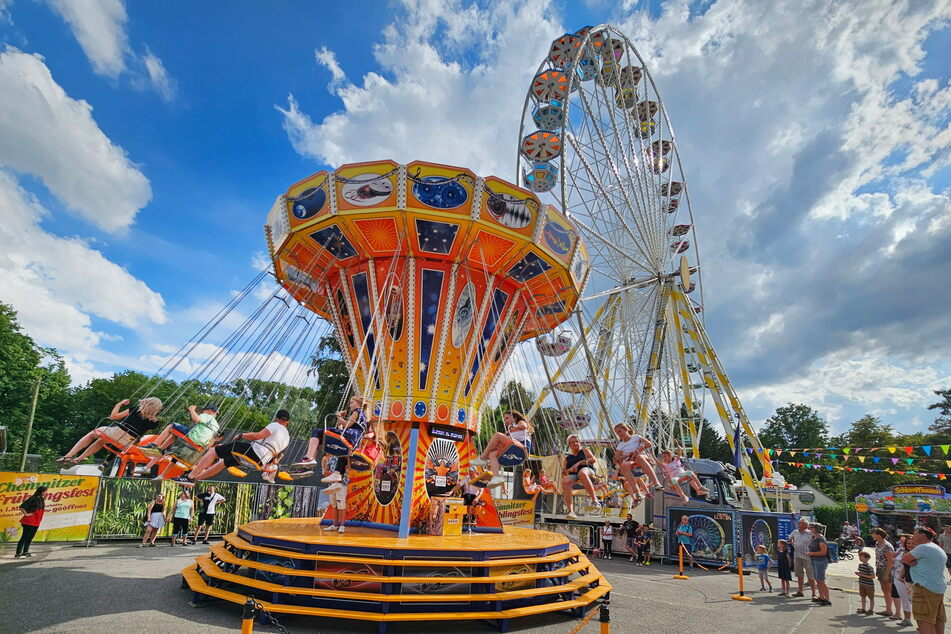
point(794, 426)
point(712, 445)
point(22, 363)
point(942, 424)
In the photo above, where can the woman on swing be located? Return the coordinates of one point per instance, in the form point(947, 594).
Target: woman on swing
point(577, 468)
point(532, 487)
point(518, 433)
point(628, 454)
point(136, 421)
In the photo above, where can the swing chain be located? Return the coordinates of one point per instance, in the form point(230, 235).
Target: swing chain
point(259, 609)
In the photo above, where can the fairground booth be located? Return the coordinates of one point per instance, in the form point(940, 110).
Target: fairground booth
point(905, 506)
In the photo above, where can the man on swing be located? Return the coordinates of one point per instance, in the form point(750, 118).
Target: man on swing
point(262, 446)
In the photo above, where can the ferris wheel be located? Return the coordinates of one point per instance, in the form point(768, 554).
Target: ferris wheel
point(596, 140)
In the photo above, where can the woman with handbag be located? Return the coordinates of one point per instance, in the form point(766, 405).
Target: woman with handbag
point(154, 521)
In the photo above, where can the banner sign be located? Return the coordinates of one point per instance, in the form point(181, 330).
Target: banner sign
point(449, 433)
point(516, 512)
point(918, 489)
point(69, 505)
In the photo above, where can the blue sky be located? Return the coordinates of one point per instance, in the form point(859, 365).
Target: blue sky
point(141, 146)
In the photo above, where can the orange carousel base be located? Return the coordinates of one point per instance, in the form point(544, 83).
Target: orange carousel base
point(294, 566)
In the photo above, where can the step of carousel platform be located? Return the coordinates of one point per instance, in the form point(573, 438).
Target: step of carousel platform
point(372, 575)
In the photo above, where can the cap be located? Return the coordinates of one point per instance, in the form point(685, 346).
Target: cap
point(210, 406)
point(283, 414)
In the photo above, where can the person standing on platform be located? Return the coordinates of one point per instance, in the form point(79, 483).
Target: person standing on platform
point(336, 479)
point(884, 553)
point(927, 561)
point(784, 566)
point(182, 516)
point(944, 539)
point(685, 538)
point(577, 468)
point(33, 509)
point(155, 520)
point(210, 500)
point(800, 539)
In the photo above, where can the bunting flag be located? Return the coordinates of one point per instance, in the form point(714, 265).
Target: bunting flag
point(894, 460)
point(849, 452)
point(810, 465)
point(876, 459)
point(891, 450)
point(909, 460)
point(848, 449)
point(945, 448)
point(926, 449)
point(908, 450)
point(862, 459)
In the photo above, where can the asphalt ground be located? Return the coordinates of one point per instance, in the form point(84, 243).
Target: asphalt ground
point(118, 587)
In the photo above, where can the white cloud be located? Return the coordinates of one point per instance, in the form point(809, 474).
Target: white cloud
point(164, 85)
point(44, 132)
point(99, 26)
point(58, 285)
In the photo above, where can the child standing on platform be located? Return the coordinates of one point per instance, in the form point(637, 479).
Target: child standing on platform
point(762, 564)
point(336, 477)
point(866, 575)
point(784, 566)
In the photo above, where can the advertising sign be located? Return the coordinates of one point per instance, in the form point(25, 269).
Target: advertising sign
point(763, 529)
point(69, 505)
point(516, 512)
point(713, 533)
point(918, 489)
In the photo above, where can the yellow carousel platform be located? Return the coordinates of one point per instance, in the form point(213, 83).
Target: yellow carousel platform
point(294, 566)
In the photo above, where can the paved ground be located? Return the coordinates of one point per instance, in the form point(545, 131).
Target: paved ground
point(121, 588)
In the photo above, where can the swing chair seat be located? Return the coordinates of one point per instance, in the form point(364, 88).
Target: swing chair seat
point(183, 438)
point(366, 456)
point(114, 445)
point(236, 472)
point(247, 462)
point(513, 456)
point(337, 444)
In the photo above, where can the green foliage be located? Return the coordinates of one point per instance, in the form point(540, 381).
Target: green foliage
point(942, 424)
point(794, 425)
point(834, 516)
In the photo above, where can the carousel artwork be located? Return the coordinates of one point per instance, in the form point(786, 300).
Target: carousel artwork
point(430, 276)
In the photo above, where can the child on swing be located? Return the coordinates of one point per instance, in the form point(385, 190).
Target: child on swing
point(351, 424)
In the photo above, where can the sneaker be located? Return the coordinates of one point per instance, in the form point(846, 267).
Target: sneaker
point(27, 554)
point(171, 545)
point(816, 600)
point(306, 462)
point(783, 594)
point(632, 559)
point(64, 460)
point(141, 546)
point(905, 622)
point(478, 462)
point(884, 613)
point(571, 515)
point(340, 530)
point(17, 556)
point(268, 476)
point(184, 481)
point(647, 563)
point(205, 541)
point(824, 603)
point(494, 482)
point(799, 594)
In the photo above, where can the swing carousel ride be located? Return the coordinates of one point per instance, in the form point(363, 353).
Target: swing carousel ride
point(439, 285)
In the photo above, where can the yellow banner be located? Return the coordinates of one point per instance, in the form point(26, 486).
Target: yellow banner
point(516, 512)
point(69, 505)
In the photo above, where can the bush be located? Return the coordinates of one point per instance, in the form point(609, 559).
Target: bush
point(833, 517)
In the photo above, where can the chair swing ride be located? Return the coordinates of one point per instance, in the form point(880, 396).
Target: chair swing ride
point(438, 283)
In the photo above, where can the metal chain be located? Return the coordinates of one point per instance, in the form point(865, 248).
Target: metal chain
point(260, 609)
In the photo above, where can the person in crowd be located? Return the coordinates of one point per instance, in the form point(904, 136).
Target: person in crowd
point(629, 528)
point(266, 445)
point(901, 596)
point(467, 487)
point(630, 454)
point(182, 515)
point(136, 421)
point(884, 554)
point(518, 432)
point(210, 500)
point(944, 539)
point(927, 562)
point(763, 562)
point(685, 538)
point(335, 476)
point(154, 522)
point(800, 540)
point(33, 509)
point(819, 555)
point(866, 575)
point(673, 467)
point(784, 567)
point(351, 424)
point(577, 468)
point(607, 539)
point(643, 542)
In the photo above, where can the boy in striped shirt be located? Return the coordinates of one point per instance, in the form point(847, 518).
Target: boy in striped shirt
point(866, 575)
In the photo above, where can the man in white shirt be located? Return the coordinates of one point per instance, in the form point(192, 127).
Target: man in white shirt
point(266, 445)
point(210, 501)
point(800, 540)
